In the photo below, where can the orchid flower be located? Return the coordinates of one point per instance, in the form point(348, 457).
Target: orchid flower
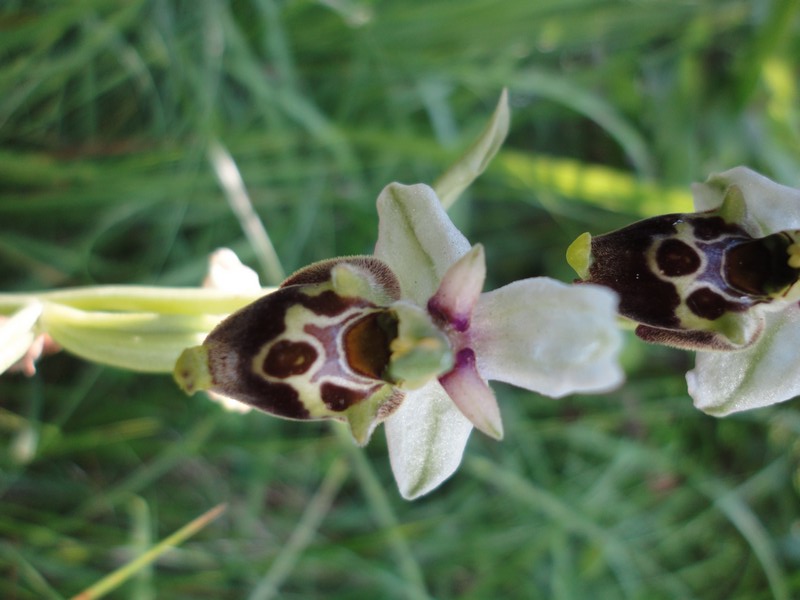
point(537, 334)
point(405, 336)
point(722, 281)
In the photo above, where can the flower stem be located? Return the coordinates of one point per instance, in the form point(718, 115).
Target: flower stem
point(165, 300)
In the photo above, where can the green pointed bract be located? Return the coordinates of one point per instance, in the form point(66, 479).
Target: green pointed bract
point(477, 157)
point(579, 254)
point(140, 328)
point(139, 341)
point(191, 370)
point(363, 417)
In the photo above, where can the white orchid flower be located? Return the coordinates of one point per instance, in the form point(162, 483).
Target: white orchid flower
point(722, 281)
point(407, 337)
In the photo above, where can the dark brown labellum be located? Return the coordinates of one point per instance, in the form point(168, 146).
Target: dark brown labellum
point(308, 351)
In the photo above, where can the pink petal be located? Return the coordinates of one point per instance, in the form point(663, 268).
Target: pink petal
point(472, 395)
point(460, 289)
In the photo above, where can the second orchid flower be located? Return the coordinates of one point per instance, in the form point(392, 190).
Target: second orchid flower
point(722, 281)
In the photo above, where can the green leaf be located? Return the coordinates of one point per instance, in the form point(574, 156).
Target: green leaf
point(475, 160)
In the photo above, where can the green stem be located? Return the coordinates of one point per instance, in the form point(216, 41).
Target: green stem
point(165, 300)
point(303, 534)
point(118, 577)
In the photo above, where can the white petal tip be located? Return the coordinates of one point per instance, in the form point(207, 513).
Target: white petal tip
point(460, 288)
point(226, 272)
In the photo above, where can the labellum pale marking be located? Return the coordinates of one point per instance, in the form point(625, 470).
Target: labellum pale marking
point(319, 347)
point(693, 280)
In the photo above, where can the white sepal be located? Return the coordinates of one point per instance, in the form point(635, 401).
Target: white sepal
point(765, 373)
point(417, 239)
point(426, 438)
point(549, 337)
point(226, 272)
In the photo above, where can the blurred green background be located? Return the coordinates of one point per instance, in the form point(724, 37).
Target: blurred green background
point(107, 111)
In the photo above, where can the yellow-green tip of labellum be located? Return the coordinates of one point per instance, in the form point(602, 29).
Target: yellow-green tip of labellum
point(579, 255)
point(191, 371)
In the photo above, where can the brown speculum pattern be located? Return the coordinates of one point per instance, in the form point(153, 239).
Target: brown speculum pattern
point(307, 351)
point(694, 280)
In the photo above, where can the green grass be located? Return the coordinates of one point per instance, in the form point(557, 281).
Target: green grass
point(107, 113)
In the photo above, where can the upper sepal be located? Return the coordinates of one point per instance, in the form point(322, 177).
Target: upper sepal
point(417, 239)
point(771, 207)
